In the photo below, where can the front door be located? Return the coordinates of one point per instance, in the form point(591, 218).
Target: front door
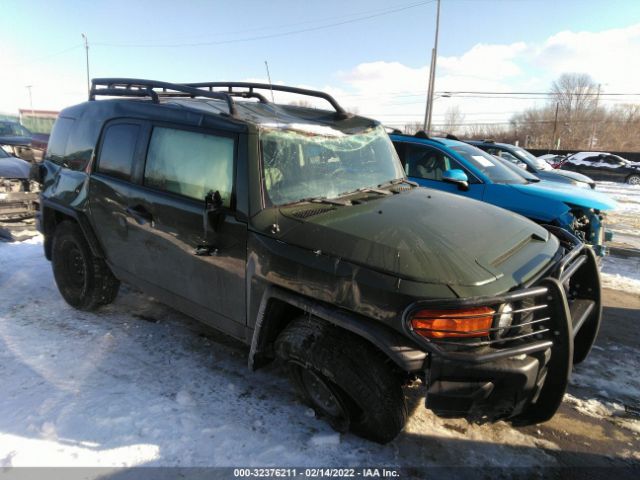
point(425, 165)
point(200, 273)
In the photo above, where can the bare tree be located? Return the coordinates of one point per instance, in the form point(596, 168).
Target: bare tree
point(453, 119)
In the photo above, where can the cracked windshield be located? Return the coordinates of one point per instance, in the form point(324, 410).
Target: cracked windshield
point(321, 162)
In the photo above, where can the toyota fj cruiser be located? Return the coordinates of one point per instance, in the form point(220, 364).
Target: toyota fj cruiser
point(295, 230)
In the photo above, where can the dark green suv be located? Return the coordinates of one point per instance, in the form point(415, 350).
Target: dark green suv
point(294, 230)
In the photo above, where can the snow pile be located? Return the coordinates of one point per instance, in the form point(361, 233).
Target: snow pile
point(624, 221)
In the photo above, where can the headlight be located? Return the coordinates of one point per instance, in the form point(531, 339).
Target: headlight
point(8, 149)
point(504, 319)
point(458, 323)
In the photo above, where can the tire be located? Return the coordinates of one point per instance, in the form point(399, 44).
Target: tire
point(633, 179)
point(84, 281)
point(343, 378)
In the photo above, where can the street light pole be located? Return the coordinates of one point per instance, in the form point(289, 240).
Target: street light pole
point(432, 76)
point(86, 50)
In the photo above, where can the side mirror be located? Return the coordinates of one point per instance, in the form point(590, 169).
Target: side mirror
point(457, 177)
point(212, 219)
point(213, 215)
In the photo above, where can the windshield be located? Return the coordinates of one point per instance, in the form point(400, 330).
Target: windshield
point(13, 130)
point(321, 162)
point(489, 165)
point(538, 163)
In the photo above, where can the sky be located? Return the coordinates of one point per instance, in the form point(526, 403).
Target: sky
point(373, 55)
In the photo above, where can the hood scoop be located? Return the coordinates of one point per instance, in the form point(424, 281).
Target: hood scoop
point(309, 212)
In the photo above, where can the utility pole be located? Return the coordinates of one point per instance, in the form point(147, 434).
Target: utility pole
point(555, 127)
point(595, 118)
point(86, 50)
point(28, 87)
point(432, 76)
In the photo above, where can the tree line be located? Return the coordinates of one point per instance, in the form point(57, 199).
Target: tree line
point(574, 118)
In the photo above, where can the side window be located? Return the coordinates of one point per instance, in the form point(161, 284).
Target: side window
point(507, 156)
point(58, 140)
point(190, 163)
point(428, 163)
point(118, 149)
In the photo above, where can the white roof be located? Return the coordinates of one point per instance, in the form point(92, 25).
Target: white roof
point(581, 155)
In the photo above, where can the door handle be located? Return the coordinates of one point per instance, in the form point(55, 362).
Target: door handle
point(140, 214)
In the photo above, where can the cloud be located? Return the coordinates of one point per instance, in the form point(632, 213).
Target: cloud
point(610, 56)
point(395, 93)
point(485, 61)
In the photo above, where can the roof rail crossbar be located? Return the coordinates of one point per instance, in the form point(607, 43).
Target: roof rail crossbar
point(342, 113)
point(134, 87)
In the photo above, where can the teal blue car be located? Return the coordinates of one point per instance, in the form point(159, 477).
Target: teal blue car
point(457, 167)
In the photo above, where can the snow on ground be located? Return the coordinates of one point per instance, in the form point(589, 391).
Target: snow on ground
point(624, 221)
point(621, 273)
point(140, 384)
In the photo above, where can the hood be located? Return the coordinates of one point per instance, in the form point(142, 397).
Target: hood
point(422, 235)
point(12, 167)
point(568, 194)
point(578, 177)
point(15, 140)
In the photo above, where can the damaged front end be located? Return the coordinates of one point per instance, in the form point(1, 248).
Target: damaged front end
point(588, 225)
point(510, 356)
point(18, 199)
point(19, 203)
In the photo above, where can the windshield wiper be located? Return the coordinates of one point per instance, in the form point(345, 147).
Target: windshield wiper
point(396, 182)
point(330, 201)
point(367, 190)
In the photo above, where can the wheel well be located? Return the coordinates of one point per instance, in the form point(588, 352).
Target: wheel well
point(51, 219)
point(279, 313)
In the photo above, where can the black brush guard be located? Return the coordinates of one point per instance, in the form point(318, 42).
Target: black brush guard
point(520, 371)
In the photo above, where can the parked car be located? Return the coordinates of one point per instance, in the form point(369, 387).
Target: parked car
point(18, 194)
point(553, 159)
point(603, 166)
point(461, 168)
point(534, 165)
point(18, 141)
point(296, 231)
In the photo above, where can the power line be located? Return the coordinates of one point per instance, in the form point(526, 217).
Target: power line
point(537, 93)
point(267, 36)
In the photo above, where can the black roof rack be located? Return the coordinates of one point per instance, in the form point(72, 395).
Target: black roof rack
point(135, 87)
point(342, 113)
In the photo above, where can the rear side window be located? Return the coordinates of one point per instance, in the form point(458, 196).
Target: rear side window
point(190, 163)
point(58, 140)
point(118, 150)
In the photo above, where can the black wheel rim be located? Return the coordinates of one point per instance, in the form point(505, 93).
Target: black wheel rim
point(325, 398)
point(74, 266)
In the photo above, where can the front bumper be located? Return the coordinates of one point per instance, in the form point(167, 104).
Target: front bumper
point(522, 375)
point(18, 205)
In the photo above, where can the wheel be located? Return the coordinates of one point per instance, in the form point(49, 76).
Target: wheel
point(633, 179)
point(84, 281)
point(343, 378)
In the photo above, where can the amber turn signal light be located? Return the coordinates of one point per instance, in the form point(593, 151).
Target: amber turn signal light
point(466, 322)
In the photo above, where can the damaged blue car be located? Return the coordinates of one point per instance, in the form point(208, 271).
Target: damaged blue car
point(457, 167)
